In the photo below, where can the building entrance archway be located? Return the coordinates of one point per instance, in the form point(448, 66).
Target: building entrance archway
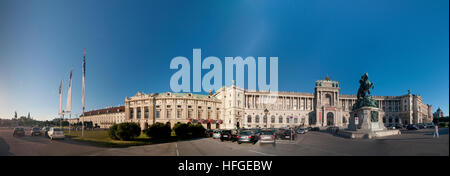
point(330, 119)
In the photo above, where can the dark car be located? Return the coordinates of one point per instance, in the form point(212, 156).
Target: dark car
point(256, 131)
point(247, 136)
point(287, 134)
point(35, 131)
point(226, 135)
point(315, 129)
point(398, 126)
point(421, 126)
point(234, 135)
point(19, 131)
point(412, 127)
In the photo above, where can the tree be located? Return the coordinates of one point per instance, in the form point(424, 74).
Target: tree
point(127, 131)
point(158, 131)
point(15, 114)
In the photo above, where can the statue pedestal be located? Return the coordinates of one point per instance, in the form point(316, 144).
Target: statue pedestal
point(365, 122)
point(366, 119)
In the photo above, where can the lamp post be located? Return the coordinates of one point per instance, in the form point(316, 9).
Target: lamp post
point(266, 111)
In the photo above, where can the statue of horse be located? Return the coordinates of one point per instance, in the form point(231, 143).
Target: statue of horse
point(365, 86)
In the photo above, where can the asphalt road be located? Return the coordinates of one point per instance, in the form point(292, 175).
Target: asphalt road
point(410, 143)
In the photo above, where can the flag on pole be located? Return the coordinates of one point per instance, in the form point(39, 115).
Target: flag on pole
point(60, 98)
point(69, 95)
point(83, 69)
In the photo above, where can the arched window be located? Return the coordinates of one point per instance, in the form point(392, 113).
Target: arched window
point(280, 119)
point(272, 119)
point(249, 119)
point(257, 119)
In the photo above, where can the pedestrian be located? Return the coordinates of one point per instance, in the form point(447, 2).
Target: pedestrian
point(436, 128)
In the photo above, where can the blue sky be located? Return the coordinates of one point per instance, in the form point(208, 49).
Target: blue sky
point(403, 44)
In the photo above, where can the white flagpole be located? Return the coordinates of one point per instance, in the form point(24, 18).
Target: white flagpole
point(83, 68)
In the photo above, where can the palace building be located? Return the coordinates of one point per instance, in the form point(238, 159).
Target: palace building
point(231, 107)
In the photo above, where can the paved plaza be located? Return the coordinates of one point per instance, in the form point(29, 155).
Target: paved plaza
point(410, 143)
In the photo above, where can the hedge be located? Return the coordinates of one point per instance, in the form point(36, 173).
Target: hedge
point(124, 131)
point(158, 131)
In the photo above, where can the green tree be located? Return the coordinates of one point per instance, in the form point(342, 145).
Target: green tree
point(158, 131)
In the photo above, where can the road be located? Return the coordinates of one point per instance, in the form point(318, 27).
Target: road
point(410, 143)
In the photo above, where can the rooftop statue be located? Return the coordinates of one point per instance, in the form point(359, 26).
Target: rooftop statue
point(363, 97)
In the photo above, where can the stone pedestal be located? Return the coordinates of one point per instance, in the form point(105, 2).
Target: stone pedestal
point(366, 122)
point(366, 119)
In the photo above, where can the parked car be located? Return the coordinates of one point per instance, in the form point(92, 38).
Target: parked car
point(412, 127)
point(398, 126)
point(216, 134)
point(315, 129)
point(45, 130)
point(35, 131)
point(56, 133)
point(247, 136)
point(279, 132)
point(301, 131)
point(391, 127)
point(430, 125)
point(226, 135)
point(19, 131)
point(209, 133)
point(267, 136)
point(287, 134)
point(256, 131)
point(234, 135)
point(421, 126)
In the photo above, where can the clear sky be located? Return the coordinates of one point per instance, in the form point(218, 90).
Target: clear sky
point(403, 44)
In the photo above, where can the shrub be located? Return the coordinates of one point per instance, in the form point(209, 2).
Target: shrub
point(112, 132)
point(182, 130)
point(158, 131)
point(197, 130)
point(127, 131)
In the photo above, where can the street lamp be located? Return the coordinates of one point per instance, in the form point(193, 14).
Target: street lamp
point(266, 111)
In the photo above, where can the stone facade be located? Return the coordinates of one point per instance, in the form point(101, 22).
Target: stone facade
point(232, 106)
point(105, 117)
point(146, 109)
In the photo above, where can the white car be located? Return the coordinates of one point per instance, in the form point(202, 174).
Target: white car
point(216, 134)
point(55, 133)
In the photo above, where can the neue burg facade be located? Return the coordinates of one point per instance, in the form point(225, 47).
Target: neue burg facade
point(230, 107)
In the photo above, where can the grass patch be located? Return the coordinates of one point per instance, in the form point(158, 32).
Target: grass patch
point(101, 138)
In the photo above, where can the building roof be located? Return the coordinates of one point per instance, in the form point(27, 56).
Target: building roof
point(108, 110)
point(172, 94)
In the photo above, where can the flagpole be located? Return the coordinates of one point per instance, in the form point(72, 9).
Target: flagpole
point(70, 115)
point(83, 69)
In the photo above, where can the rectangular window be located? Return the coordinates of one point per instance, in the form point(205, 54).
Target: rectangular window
point(249, 119)
point(168, 114)
point(189, 114)
point(131, 113)
point(146, 113)
point(158, 114)
point(138, 113)
point(179, 113)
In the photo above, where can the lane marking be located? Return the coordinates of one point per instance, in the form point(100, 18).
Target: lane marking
point(176, 146)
